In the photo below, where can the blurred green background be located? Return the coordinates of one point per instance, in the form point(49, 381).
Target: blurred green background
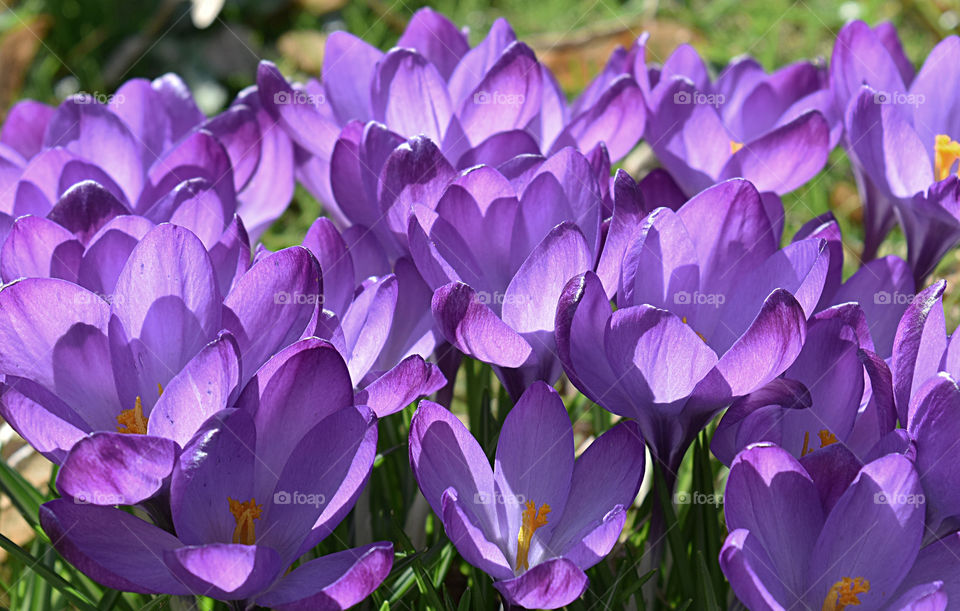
point(52, 48)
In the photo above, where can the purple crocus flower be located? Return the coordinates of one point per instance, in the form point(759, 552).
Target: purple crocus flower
point(256, 487)
point(905, 142)
point(539, 518)
point(873, 56)
point(809, 539)
point(75, 363)
point(497, 249)
point(836, 392)
point(487, 104)
point(88, 236)
point(709, 309)
point(767, 128)
point(379, 326)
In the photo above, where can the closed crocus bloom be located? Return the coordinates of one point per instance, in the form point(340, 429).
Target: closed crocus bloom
point(539, 518)
point(836, 392)
point(88, 236)
point(381, 327)
point(907, 144)
point(872, 56)
point(797, 541)
point(77, 364)
point(768, 128)
point(497, 250)
point(709, 309)
point(254, 489)
point(487, 104)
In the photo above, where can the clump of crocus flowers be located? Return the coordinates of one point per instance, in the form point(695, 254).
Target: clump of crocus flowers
point(222, 405)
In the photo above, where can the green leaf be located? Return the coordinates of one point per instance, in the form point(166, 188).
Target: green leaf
point(36, 566)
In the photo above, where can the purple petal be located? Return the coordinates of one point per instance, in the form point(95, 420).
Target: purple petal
point(470, 540)
point(628, 213)
point(436, 38)
point(109, 468)
point(39, 248)
point(332, 582)
point(934, 426)
point(126, 556)
point(410, 96)
point(336, 264)
point(349, 65)
point(24, 127)
point(397, 388)
point(223, 570)
point(617, 119)
point(85, 208)
point(919, 345)
point(548, 585)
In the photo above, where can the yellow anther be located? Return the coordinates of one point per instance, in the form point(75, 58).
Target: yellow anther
point(132, 420)
point(735, 146)
point(826, 438)
point(245, 514)
point(945, 152)
point(844, 593)
point(532, 520)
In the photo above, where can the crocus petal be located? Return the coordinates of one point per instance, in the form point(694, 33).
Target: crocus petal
point(206, 385)
point(410, 96)
point(617, 119)
point(768, 347)
point(873, 532)
point(935, 562)
point(936, 109)
point(271, 305)
point(507, 98)
point(84, 208)
point(934, 425)
point(204, 479)
point(470, 540)
point(227, 571)
point(747, 567)
point(500, 148)
point(628, 212)
point(127, 556)
point(108, 251)
point(471, 326)
point(48, 424)
point(606, 477)
point(548, 585)
point(887, 147)
point(411, 378)
point(919, 345)
point(443, 453)
point(39, 248)
point(880, 287)
point(349, 65)
point(785, 158)
point(109, 468)
point(366, 325)
point(436, 38)
point(332, 582)
point(480, 59)
point(336, 264)
point(166, 309)
point(53, 333)
point(24, 127)
point(230, 256)
point(766, 489)
point(534, 463)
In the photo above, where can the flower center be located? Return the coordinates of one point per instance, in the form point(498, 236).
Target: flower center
point(826, 438)
point(132, 421)
point(844, 593)
point(945, 152)
point(532, 520)
point(245, 514)
point(735, 146)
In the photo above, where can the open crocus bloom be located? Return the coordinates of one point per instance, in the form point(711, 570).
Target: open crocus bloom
point(908, 147)
point(497, 250)
point(709, 309)
point(252, 491)
point(379, 326)
point(768, 128)
point(78, 364)
point(539, 518)
point(481, 105)
point(828, 540)
point(837, 391)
